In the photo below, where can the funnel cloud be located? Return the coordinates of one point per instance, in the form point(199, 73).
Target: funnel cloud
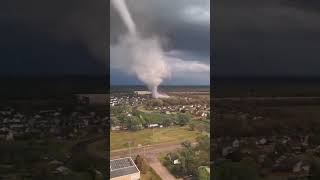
point(144, 57)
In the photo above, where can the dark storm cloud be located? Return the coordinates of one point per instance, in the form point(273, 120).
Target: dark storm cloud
point(183, 25)
point(269, 38)
point(53, 36)
point(309, 5)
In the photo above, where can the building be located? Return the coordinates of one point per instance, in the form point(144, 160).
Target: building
point(93, 99)
point(173, 157)
point(124, 169)
point(142, 93)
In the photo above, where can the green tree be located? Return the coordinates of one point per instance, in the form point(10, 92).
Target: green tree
point(183, 119)
point(203, 173)
point(187, 157)
point(133, 123)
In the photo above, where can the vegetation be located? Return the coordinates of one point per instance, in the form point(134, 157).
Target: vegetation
point(135, 119)
point(30, 159)
point(190, 157)
point(119, 140)
point(244, 170)
point(315, 169)
point(203, 174)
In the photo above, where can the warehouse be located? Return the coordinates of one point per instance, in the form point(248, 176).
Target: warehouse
point(124, 169)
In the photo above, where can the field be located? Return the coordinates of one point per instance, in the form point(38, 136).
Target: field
point(119, 140)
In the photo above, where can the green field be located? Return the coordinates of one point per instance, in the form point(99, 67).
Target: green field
point(120, 139)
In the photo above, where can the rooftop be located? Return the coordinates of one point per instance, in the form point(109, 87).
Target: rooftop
point(122, 167)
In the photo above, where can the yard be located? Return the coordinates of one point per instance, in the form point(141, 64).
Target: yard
point(120, 139)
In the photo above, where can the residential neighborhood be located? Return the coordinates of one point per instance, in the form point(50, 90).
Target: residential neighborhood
point(162, 133)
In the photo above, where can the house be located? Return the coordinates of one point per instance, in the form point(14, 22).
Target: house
point(236, 143)
point(227, 150)
point(91, 98)
point(115, 128)
point(204, 114)
point(153, 125)
point(140, 93)
point(62, 170)
point(262, 141)
point(173, 157)
point(124, 169)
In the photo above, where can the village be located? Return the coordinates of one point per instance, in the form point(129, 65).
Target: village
point(280, 156)
point(144, 103)
point(54, 122)
point(49, 139)
point(267, 136)
point(171, 125)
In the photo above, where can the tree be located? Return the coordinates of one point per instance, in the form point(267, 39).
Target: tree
point(187, 158)
point(183, 119)
point(315, 169)
point(114, 121)
point(141, 164)
point(226, 170)
point(133, 123)
point(192, 126)
point(203, 173)
point(155, 102)
point(166, 121)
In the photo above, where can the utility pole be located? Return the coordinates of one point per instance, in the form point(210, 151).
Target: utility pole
point(153, 135)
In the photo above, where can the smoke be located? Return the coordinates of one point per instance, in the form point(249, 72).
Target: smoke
point(144, 57)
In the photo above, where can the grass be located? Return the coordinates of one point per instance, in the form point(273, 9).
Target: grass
point(119, 140)
point(142, 109)
point(150, 175)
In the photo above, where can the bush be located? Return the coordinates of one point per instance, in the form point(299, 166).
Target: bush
point(141, 164)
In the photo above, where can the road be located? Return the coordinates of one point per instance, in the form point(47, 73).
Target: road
point(151, 154)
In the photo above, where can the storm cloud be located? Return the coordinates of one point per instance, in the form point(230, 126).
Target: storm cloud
point(182, 27)
point(266, 38)
point(54, 36)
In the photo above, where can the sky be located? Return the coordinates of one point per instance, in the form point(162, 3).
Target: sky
point(53, 37)
point(266, 38)
point(183, 27)
point(249, 37)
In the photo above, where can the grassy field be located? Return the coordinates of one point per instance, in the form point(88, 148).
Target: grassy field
point(119, 140)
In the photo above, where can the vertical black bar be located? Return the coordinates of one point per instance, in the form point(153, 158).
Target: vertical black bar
point(107, 45)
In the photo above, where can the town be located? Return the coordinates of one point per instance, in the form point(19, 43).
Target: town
point(267, 138)
point(49, 138)
point(160, 135)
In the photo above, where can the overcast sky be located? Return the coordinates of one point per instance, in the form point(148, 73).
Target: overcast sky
point(266, 38)
point(250, 37)
point(53, 37)
point(183, 27)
